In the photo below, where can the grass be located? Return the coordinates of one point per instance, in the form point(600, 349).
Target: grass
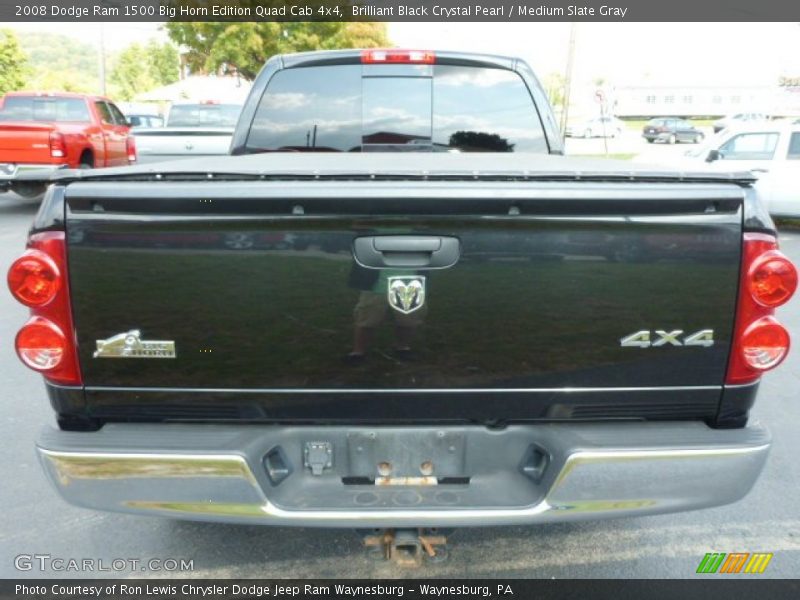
point(787, 223)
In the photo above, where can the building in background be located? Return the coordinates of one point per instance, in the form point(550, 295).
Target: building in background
point(706, 101)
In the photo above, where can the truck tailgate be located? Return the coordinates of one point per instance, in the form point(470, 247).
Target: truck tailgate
point(169, 143)
point(22, 142)
point(257, 285)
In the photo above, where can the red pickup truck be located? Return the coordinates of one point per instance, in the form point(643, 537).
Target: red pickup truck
point(53, 131)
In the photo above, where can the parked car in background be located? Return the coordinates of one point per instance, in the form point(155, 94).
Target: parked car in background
point(671, 131)
point(603, 127)
point(770, 149)
point(192, 130)
point(738, 119)
point(54, 131)
point(149, 121)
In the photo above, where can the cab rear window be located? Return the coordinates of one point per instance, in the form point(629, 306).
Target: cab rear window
point(35, 108)
point(361, 108)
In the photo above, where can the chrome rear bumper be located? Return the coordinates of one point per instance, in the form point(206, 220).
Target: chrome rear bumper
point(10, 171)
point(13, 173)
point(583, 471)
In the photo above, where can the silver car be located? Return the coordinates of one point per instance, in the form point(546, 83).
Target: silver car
point(603, 127)
point(192, 130)
point(738, 119)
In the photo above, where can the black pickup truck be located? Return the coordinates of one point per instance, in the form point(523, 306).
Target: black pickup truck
point(396, 306)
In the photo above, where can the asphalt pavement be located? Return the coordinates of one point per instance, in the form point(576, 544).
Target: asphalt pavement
point(35, 521)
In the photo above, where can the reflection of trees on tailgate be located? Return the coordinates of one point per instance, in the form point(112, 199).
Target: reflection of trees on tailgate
point(478, 141)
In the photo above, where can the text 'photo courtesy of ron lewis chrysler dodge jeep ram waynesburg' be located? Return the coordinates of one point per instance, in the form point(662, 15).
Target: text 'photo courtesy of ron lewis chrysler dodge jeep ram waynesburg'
point(430, 318)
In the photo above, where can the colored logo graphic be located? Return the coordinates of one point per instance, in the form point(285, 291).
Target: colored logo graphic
point(734, 562)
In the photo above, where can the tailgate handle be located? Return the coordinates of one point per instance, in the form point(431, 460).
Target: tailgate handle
point(406, 251)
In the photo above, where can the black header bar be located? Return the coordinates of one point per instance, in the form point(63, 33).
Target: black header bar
point(700, 588)
point(402, 10)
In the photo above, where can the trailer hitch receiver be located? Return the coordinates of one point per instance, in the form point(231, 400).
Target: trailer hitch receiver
point(407, 547)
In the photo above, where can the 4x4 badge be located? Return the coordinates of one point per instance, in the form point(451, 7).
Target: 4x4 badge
point(130, 345)
point(406, 294)
point(661, 337)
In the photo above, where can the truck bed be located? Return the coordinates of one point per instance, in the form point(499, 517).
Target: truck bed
point(176, 143)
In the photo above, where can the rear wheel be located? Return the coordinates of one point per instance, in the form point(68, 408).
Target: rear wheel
point(87, 161)
point(650, 140)
point(28, 190)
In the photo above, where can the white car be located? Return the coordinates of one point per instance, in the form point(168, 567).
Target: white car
point(738, 120)
point(596, 127)
point(771, 150)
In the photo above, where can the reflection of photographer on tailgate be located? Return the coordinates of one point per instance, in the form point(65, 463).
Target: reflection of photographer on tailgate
point(405, 299)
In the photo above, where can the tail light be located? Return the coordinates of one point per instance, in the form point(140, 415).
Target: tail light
point(58, 148)
point(130, 148)
point(765, 344)
point(772, 279)
point(768, 280)
point(397, 57)
point(41, 344)
point(34, 278)
point(38, 279)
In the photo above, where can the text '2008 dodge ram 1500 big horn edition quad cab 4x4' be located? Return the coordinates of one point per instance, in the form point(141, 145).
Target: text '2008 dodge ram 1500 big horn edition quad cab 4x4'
point(445, 338)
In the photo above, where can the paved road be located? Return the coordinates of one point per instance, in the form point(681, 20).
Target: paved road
point(35, 521)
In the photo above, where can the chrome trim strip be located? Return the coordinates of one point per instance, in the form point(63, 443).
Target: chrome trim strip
point(405, 390)
point(735, 386)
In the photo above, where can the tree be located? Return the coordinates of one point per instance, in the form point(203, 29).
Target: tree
point(245, 47)
point(60, 62)
point(129, 74)
point(554, 86)
point(164, 62)
point(13, 62)
point(140, 68)
point(479, 141)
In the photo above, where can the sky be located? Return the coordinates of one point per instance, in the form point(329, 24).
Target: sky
point(629, 53)
point(622, 53)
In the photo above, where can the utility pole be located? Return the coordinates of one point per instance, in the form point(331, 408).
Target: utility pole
point(568, 77)
point(102, 65)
